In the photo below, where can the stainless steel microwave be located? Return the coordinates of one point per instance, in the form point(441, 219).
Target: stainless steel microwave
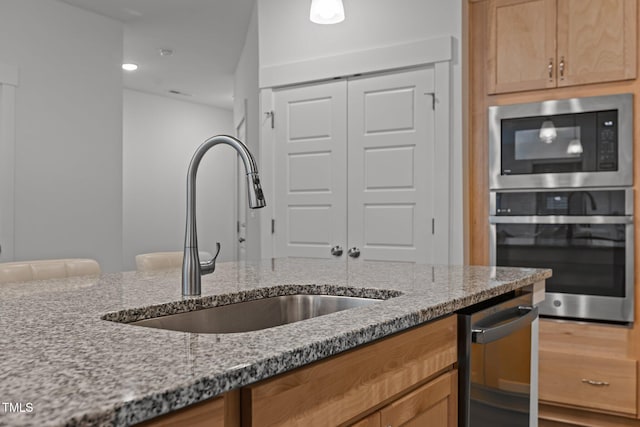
point(567, 143)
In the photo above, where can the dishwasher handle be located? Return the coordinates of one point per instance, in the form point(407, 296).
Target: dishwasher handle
point(495, 327)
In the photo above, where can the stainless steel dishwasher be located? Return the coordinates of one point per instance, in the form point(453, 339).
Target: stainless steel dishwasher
point(498, 363)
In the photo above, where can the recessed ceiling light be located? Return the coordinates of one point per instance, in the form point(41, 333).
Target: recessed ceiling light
point(130, 67)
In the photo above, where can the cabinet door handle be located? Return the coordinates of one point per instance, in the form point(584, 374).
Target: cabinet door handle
point(595, 382)
point(550, 68)
point(561, 68)
point(336, 250)
point(354, 252)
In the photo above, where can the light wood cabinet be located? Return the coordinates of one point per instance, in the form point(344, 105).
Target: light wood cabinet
point(586, 374)
point(585, 42)
point(222, 411)
point(404, 377)
point(592, 382)
point(521, 45)
point(433, 404)
point(540, 44)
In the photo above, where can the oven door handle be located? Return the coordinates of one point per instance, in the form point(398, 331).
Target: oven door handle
point(495, 327)
point(561, 219)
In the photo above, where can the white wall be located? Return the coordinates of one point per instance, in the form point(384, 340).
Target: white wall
point(246, 87)
point(68, 174)
point(160, 136)
point(287, 36)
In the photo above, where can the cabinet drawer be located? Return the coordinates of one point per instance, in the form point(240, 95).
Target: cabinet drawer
point(434, 404)
point(598, 383)
point(336, 390)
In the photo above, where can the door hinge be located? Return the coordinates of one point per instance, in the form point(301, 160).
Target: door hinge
point(433, 99)
point(238, 227)
point(271, 114)
point(433, 226)
point(273, 226)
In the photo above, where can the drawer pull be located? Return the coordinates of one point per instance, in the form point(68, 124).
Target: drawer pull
point(595, 383)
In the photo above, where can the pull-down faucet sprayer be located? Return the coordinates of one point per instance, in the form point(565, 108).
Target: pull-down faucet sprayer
point(192, 268)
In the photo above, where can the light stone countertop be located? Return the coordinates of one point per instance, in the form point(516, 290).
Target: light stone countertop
point(58, 357)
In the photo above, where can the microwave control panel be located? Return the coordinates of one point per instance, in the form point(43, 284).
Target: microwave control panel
point(607, 141)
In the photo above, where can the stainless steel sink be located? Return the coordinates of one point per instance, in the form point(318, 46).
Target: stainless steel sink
point(255, 315)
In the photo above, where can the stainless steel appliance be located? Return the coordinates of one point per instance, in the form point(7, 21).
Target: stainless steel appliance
point(584, 235)
point(560, 197)
point(497, 363)
point(579, 142)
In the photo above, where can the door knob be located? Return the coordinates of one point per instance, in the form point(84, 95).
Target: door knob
point(241, 239)
point(354, 252)
point(336, 250)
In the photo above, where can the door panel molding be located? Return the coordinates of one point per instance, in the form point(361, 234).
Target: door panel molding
point(444, 203)
point(379, 59)
point(241, 187)
point(8, 84)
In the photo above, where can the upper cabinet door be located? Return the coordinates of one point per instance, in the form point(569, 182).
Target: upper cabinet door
point(539, 44)
point(522, 47)
point(596, 41)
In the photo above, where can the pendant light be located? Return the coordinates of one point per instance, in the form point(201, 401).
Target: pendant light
point(326, 11)
point(575, 145)
point(548, 132)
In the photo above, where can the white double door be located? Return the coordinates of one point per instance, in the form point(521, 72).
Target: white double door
point(354, 162)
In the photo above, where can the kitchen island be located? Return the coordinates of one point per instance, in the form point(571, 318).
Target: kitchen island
point(63, 364)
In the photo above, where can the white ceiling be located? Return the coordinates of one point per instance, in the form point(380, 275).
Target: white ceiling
point(206, 37)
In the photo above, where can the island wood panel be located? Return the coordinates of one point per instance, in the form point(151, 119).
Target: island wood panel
point(223, 411)
point(434, 404)
point(336, 390)
point(476, 47)
point(372, 420)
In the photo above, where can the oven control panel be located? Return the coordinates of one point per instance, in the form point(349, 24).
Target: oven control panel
point(572, 203)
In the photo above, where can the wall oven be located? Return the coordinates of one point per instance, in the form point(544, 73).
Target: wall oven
point(579, 142)
point(560, 181)
point(584, 235)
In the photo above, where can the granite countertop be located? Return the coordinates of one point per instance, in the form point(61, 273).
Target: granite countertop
point(62, 364)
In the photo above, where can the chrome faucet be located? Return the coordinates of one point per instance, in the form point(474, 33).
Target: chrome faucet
point(192, 268)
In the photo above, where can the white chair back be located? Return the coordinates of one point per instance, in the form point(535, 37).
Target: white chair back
point(24, 271)
point(164, 260)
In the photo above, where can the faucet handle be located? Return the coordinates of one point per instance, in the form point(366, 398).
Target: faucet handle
point(208, 267)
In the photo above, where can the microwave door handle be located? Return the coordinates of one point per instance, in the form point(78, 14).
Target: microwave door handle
point(522, 315)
